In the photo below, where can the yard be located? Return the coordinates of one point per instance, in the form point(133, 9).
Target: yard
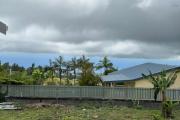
point(80, 112)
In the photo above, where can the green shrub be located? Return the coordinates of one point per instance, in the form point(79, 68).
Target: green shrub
point(169, 106)
point(157, 117)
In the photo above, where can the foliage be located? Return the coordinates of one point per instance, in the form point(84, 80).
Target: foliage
point(30, 69)
point(169, 106)
point(38, 75)
point(48, 81)
point(106, 65)
point(11, 82)
point(157, 117)
point(89, 80)
point(14, 74)
point(67, 74)
point(59, 63)
point(87, 76)
point(77, 69)
point(74, 66)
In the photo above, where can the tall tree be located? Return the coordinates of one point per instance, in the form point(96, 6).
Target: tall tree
point(74, 66)
point(82, 61)
point(68, 69)
point(59, 63)
point(107, 65)
point(161, 83)
point(87, 75)
point(51, 65)
point(16, 67)
point(31, 69)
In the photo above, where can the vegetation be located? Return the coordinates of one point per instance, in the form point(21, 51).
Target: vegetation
point(77, 71)
point(81, 112)
point(161, 83)
point(38, 76)
point(106, 64)
point(59, 63)
point(87, 75)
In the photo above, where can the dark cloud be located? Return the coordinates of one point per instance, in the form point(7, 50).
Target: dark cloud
point(121, 28)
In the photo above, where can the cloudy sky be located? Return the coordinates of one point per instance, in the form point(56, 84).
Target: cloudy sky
point(131, 29)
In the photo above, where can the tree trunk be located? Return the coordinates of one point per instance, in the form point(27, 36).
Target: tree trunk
point(52, 74)
point(67, 75)
point(60, 75)
point(163, 93)
point(74, 75)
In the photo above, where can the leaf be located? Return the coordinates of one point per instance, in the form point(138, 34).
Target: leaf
point(156, 92)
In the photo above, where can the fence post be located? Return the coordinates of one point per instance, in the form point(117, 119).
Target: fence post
point(103, 92)
point(126, 93)
point(56, 94)
point(80, 92)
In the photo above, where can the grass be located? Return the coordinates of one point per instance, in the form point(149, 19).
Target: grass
point(81, 112)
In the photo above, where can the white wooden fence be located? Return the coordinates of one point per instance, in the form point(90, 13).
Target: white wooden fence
point(90, 92)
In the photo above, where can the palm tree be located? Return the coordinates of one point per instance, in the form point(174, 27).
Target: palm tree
point(161, 83)
point(106, 65)
point(67, 65)
point(74, 65)
point(32, 67)
point(87, 75)
point(52, 68)
point(59, 63)
point(82, 61)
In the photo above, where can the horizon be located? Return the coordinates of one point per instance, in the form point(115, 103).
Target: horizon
point(26, 59)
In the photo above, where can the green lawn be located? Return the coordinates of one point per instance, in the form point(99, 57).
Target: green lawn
point(81, 112)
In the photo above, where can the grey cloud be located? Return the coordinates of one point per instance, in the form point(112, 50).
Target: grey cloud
point(153, 26)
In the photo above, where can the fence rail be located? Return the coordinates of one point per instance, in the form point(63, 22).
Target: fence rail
point(93, 92)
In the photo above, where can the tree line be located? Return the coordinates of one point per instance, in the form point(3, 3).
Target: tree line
point(77, 71)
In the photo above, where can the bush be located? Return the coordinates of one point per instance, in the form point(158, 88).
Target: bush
point(169, 106)
point(157, 117)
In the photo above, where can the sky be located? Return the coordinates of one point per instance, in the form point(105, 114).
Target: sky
point(129, 32)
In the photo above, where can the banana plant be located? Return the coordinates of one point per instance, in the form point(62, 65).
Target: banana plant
point(161, 83)
point(169, 106)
